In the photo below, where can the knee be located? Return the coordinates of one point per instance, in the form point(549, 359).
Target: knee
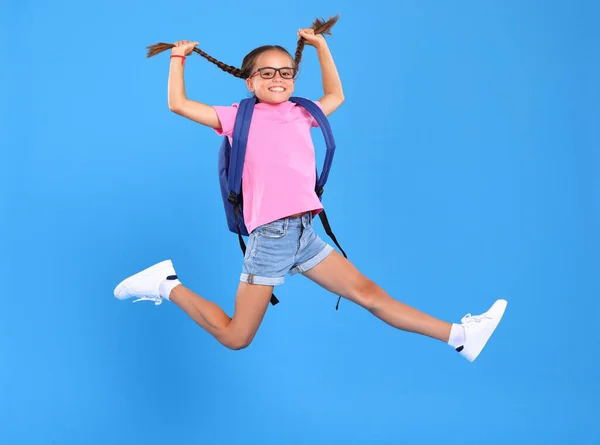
point(367, 294)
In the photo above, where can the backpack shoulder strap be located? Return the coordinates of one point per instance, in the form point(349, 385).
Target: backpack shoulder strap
point(239, 141)
point(323, 122)
point(238, 146)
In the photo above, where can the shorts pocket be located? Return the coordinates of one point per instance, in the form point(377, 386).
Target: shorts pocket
point(276, 229)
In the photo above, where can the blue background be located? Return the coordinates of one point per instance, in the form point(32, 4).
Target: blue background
point(466, 170)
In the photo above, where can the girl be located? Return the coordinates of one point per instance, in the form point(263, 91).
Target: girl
point(279, 205)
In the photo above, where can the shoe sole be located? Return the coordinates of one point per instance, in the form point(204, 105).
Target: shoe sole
point(167, 264)
point(499, 307)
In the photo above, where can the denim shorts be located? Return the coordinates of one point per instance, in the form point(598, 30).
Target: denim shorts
point(284, 246)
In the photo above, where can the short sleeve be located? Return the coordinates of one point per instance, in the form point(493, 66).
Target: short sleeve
point(226, 117)
point(306, 116)
point(314, 122)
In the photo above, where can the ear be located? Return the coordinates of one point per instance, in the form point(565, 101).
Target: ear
point(249, 85)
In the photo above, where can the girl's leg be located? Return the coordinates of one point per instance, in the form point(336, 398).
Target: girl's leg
point(251, 303)
point(336, 274)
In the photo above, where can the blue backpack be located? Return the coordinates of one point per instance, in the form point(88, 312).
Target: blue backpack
point(231, 164)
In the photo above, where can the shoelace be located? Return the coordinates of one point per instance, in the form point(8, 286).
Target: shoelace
point(472, 320)
point(157, 300)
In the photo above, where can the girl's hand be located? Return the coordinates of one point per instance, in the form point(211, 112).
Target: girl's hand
point(308, 34)
point(183, 47)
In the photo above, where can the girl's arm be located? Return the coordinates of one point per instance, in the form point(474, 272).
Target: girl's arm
point(332, 85)
point(178, 101)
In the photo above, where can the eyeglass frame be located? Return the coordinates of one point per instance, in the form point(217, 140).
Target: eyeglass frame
point(277, 70)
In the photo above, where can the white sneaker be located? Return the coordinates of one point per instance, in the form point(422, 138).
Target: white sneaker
point(479, 329)
point(145, 285)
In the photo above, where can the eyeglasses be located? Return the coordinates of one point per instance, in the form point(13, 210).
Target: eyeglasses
point(269, 72)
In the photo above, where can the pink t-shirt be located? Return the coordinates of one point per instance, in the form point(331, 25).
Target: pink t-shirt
point(279, 174)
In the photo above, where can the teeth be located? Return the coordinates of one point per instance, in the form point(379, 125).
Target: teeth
point(277, 89)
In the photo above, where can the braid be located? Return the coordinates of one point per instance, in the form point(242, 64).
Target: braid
point(298, 55)
point(321, 27)
point(227, 68)
point(160, 47)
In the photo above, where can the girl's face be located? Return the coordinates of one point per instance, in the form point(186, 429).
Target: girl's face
point(270, 85)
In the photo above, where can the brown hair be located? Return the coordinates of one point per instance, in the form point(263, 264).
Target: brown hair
point(319, 25)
